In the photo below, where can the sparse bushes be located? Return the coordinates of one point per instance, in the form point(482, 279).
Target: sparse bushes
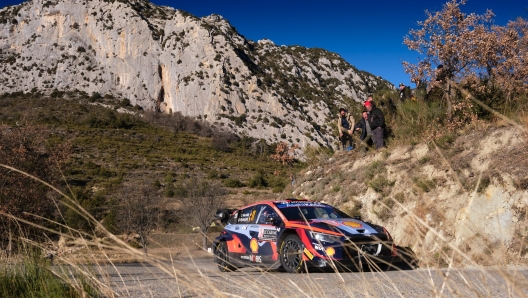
point(221, 140)
point(233, 183)
point(258, 180)
point(24, 148)
point(33, 277)
point(424, 184)
point(355, 210)
point(381, 184)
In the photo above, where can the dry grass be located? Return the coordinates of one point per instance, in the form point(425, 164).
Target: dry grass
point(477, 267)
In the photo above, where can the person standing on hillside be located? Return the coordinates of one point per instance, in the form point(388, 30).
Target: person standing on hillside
point(370, 99)
point(344, 125)
point(405, 92)
point(366, 133)
point(377, 124)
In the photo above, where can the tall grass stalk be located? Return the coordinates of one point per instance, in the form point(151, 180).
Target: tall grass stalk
point(89, 273)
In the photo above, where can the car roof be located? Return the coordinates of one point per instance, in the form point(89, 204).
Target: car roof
point(270, 202)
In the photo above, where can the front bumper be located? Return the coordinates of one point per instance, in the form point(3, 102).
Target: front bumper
point(356, 263)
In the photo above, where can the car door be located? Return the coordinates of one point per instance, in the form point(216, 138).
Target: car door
point(241, 232)
point(263, 240)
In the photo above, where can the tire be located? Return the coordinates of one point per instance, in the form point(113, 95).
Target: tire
point(291, 254)
point(222, 259)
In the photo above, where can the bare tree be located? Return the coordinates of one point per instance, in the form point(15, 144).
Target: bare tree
point(139, 208)
point(284, 153)
point(471, 49)
point(23, 148)
point(201, 200)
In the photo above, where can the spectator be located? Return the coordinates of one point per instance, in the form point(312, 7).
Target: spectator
point(344, 125)
point(377, 124)
point(370, 99)
point(405, 92)
point(366, 133)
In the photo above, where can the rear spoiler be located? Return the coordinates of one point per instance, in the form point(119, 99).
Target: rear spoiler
point(223, 215)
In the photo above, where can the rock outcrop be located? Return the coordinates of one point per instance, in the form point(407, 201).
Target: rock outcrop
point(466, 202)
point(166, 59)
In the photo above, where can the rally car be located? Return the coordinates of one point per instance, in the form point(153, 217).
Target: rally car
point(299, 234)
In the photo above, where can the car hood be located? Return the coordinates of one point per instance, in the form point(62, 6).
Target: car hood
point(347, 226)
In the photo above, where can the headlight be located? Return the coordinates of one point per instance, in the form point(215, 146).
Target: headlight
point(323, 237)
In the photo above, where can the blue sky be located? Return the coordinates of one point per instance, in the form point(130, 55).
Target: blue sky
point(368, 34)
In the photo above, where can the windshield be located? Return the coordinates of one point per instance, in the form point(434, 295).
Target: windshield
point(309, 212)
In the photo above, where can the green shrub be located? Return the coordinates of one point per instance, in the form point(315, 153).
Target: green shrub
point(414, 121)
point(424, 184)
point(233, 183)
point(377, 167)
point(33, 277)
point(258, 180)
point(381, 184)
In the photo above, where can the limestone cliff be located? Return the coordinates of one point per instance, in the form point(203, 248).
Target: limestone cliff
point(166, 59)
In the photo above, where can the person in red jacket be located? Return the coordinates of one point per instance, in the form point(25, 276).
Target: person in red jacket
point(377, 124)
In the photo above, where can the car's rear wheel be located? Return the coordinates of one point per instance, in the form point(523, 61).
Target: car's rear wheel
point(291, 254)
point(222, 258)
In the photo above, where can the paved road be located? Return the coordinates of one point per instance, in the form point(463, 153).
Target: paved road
point(200, 278)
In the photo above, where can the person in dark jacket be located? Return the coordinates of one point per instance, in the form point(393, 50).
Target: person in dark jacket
point(405, 92)
point(366, 133)
point(344, 126)
point(377, 124)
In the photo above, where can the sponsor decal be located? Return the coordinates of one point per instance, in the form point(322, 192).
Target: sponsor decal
point(318, 246)
point(331, 222)
point(236, 228)
point(330, 251)
point(301, 204)
point(252, 258)
point(244, 227)
point(278, 229)
point(267, 234)
point(308, 253)
point(253, 244)
point(252, 217)
point(352, 224)
point(243, 220)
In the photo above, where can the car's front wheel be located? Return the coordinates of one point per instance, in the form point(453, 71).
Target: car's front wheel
point(222, 258)
point(291, 254)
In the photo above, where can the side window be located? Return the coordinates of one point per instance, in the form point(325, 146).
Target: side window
point(233, 218)
point(247, 215)
point(264, 211)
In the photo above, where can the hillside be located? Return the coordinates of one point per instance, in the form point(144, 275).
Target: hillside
point(110, 148)
point(164, 59)
point(463, 199)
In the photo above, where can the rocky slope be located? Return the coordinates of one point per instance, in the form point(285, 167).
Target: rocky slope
point(166, 59)
point(464, 202)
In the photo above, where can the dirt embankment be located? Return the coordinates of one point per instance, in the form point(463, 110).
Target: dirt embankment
point(462, 201)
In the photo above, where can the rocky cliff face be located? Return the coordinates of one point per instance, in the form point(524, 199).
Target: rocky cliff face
point(166, 59)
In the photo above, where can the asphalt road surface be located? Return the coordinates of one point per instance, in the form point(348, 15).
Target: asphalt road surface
point(200, 278)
